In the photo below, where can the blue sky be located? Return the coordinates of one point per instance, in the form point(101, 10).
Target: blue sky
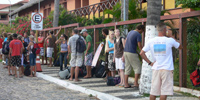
point(7, 1)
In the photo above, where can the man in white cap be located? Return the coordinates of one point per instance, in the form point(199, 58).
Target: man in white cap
point(88, 52)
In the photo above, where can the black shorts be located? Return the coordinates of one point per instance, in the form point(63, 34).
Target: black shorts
point(16, 61)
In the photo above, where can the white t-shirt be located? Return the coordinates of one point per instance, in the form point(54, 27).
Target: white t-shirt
point(161, 50)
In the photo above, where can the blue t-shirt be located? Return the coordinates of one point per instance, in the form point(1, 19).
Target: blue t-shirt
point(27, 40)
point(5, 39)
point(133, 38)
point(110, 45)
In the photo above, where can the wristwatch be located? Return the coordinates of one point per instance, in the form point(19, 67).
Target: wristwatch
point(149, 63)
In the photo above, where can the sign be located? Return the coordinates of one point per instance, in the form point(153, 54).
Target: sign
point(37, 21)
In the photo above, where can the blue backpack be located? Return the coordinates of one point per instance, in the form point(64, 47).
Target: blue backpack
point(80, 45)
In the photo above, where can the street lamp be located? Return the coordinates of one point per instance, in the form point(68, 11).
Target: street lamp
point(10, 12)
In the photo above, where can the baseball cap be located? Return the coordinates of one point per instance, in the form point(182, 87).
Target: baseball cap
point(83, 30)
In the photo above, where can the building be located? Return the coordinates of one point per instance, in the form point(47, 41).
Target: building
point(6, 8)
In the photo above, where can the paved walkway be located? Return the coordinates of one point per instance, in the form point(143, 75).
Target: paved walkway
point(99, 84)
point(28, 88)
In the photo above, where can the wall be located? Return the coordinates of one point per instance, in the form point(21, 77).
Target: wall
point(70, 5)
point(12, 8)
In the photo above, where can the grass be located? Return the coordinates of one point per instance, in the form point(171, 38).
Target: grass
point(187, 94)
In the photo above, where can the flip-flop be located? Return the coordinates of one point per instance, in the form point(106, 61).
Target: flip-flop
point(135, 87)
point(21, 77)
point(128, 87)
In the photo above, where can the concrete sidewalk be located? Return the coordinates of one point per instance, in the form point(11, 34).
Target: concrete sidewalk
point(98, 87)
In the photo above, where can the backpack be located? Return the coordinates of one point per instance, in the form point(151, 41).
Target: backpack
point(36, 49)
point(195, 77)
point(5, 49)
point(80, 45)
point(100, 70)
point(27, 70)
point(64, 74)
point(112, 81)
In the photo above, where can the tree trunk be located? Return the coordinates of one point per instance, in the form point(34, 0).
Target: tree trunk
point(124, 14)
point(56, 13)
point(153, 17)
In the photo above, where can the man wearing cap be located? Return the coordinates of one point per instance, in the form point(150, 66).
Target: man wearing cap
point(16, 50)
point(88, 52)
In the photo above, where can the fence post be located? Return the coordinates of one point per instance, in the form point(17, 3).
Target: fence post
point(183, 52)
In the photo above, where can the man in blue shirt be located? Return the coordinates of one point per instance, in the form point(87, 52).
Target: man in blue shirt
point(131, 56)
point(26, 38)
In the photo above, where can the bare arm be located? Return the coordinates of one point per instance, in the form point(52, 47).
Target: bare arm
point(47, 38)
point(58, 41)
point(29, 46)
point(140, 46)
point(107, 47)
point(69, 49)
point(123, 42)
point(143, 55)
point(58, 32)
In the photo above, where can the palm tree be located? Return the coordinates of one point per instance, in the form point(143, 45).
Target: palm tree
point(56, 13)
point(153, 17)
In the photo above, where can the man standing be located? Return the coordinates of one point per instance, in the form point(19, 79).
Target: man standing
point(26, 38)
point(162, 66)
point(41, 45)
point(76, 58)
point(88, 52)
point(16, 50)
point(131, 56)
point(50, 48)
point(51, 45)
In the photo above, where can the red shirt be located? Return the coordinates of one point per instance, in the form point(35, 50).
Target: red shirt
point(16, 46)
point(1, 42)
point(40, 44)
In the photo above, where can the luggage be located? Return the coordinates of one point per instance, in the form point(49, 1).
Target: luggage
point(64, 74)
point(112, 81)
point(100, 70)
point(195, 77)
point(27, 70)
point(82, 71)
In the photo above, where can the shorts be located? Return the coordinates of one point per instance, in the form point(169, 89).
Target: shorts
point(32, 59)
point(111, 64)
point(1, 51)
point(41, 51)
point(119, 63)
point(49, 52)
point(162, 82)
point(76, 60)
point(16, 61)
point(88, 59)
point(132, 61)
point(8, 60)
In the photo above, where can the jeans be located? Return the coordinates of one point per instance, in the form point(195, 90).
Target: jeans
point(63, 57)
point(32, 59)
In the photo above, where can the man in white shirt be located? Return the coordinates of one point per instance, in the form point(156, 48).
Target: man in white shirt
point(162, 66)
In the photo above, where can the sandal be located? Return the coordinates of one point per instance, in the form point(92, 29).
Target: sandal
point(128, 87)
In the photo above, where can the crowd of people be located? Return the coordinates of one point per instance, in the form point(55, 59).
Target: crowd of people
point(121, 55)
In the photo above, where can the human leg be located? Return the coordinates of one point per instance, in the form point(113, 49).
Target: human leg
point(61, 61)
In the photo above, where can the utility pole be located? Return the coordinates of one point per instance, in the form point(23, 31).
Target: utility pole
point(10, 13)
point(124, 14)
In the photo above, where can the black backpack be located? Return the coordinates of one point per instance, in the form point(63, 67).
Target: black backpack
point(5, 49)
point(100, 71)
point(27, 70)
point(80, 45)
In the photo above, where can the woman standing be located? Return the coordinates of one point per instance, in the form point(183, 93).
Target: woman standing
point(32, 57)
point(118, 55)
point(64, 51)
point(110, 49)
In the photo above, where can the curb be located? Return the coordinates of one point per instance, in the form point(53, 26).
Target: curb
point(179, 89)
point(68, 85)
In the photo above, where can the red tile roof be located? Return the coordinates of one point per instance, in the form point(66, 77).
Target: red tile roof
point(4, 6)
